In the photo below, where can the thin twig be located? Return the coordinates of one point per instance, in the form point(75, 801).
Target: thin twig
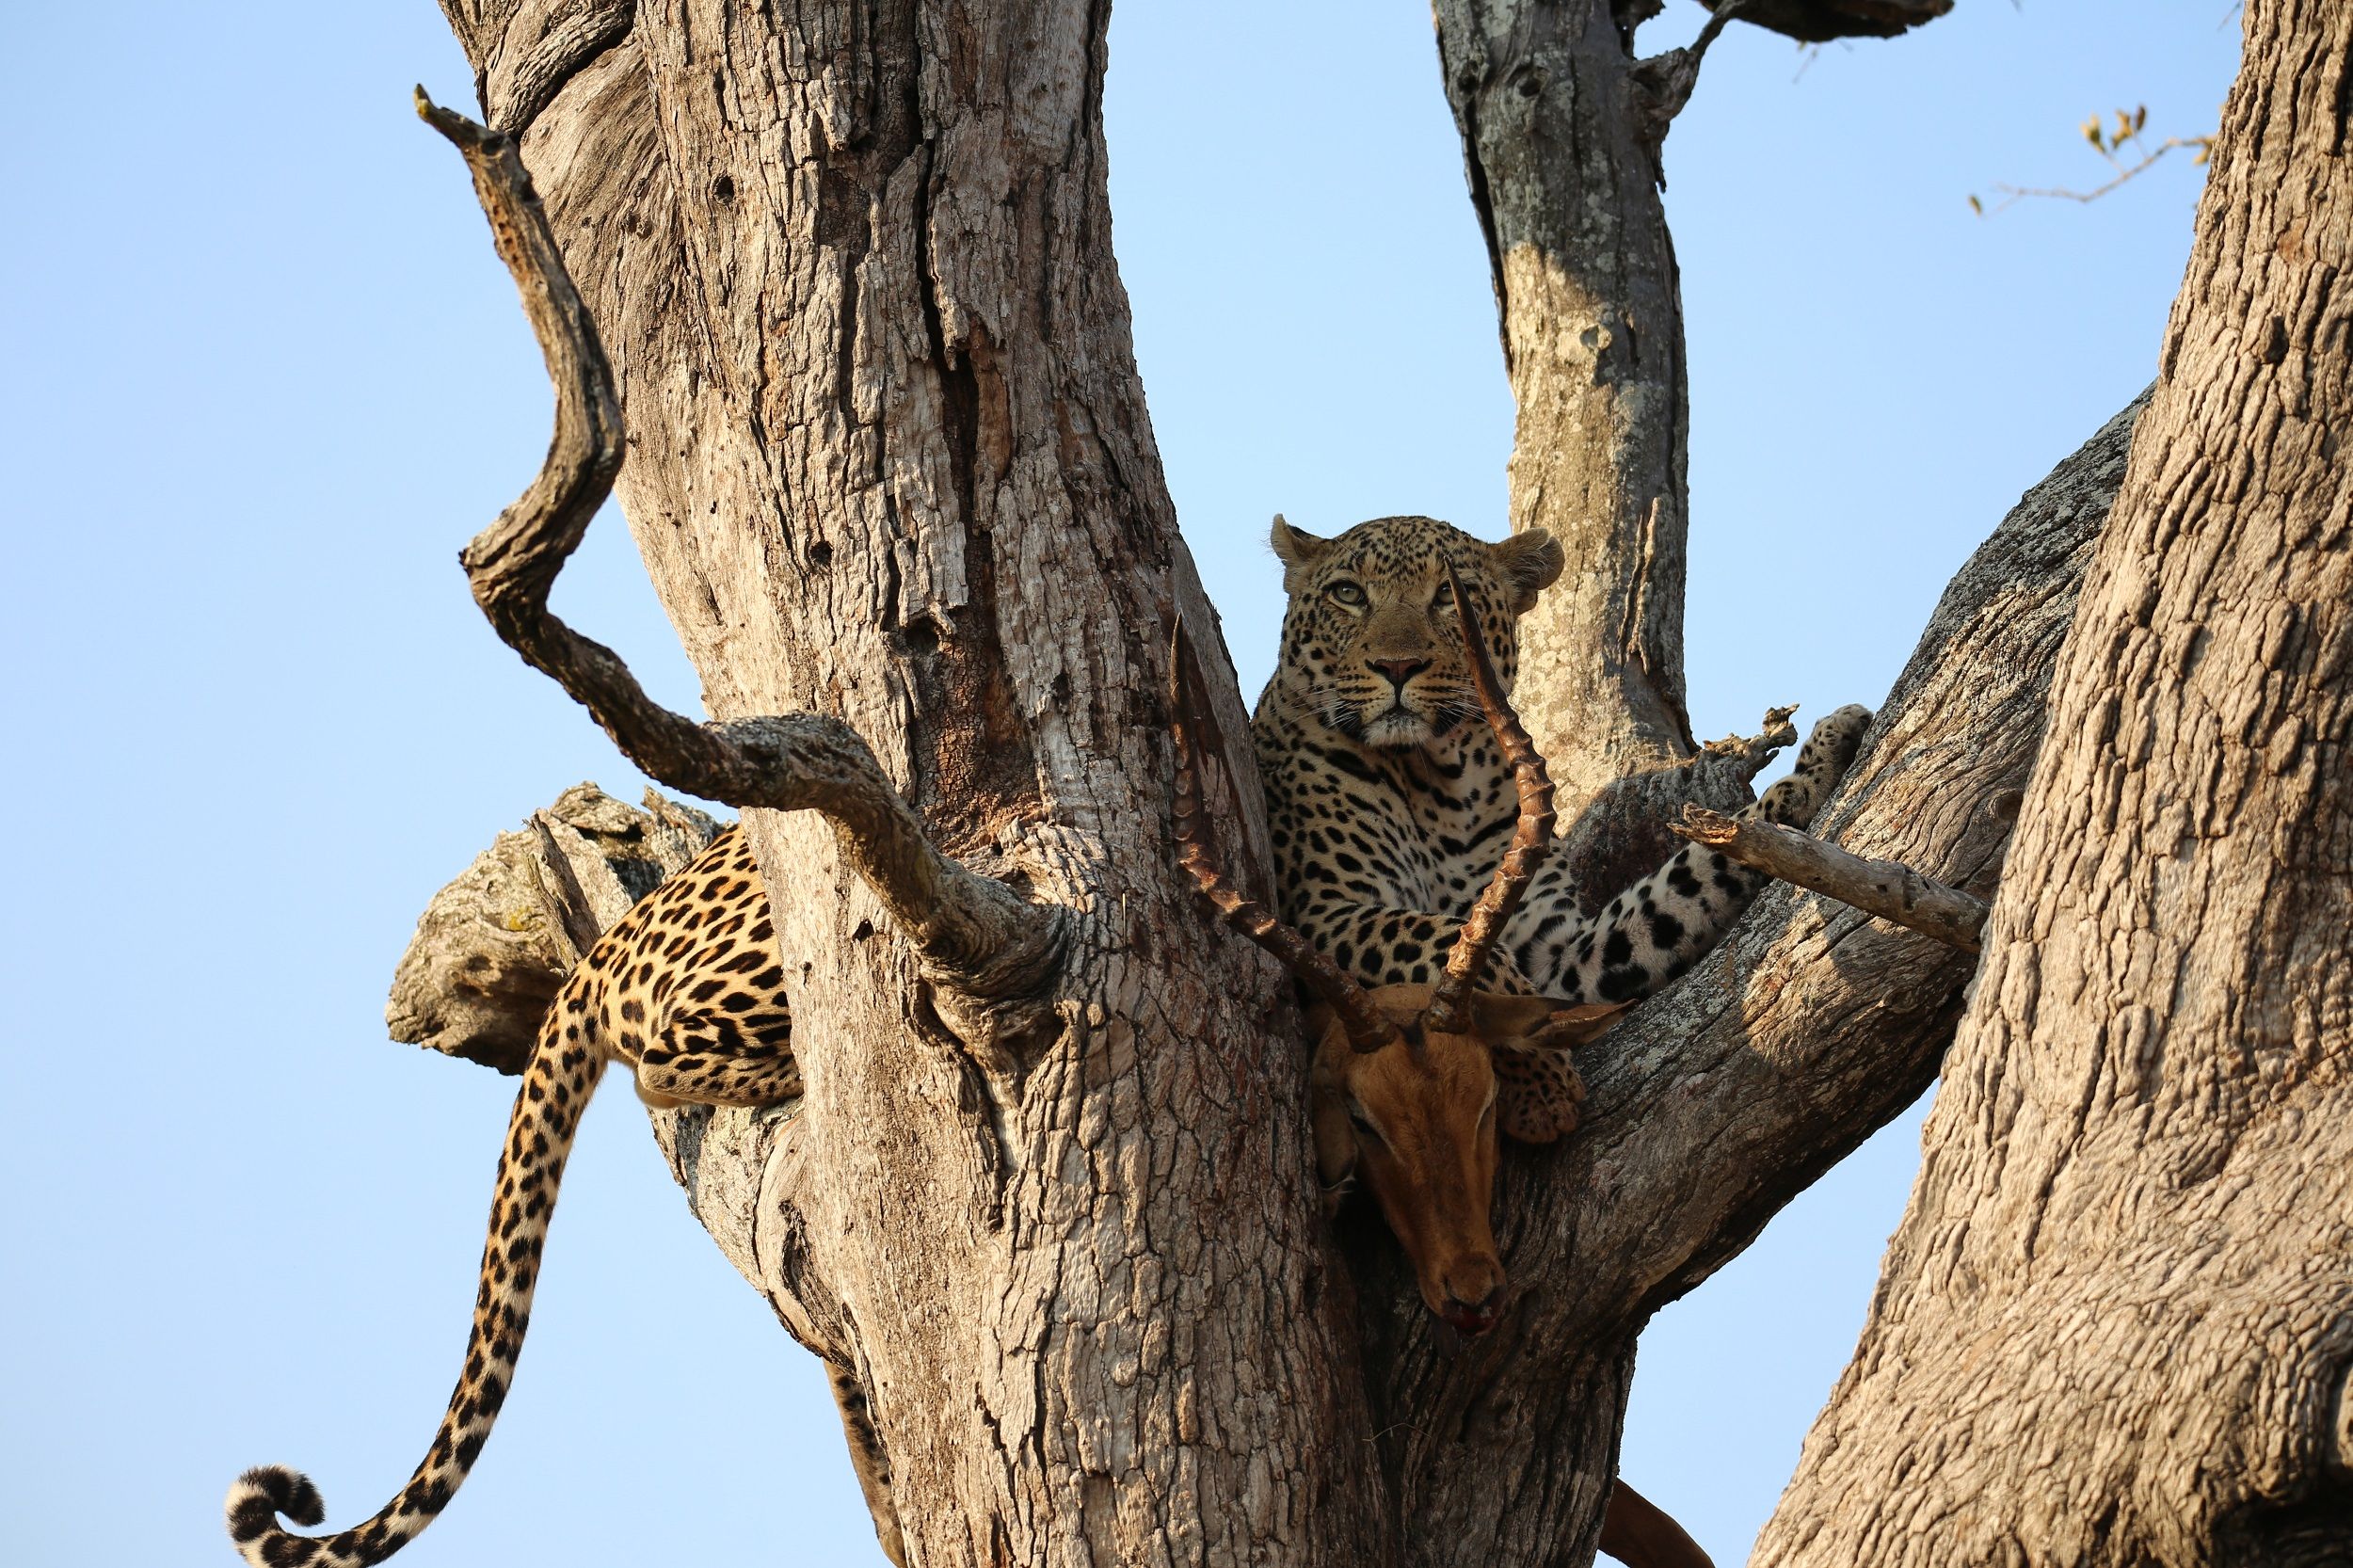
point(1883, 887)
point(2012, 195)
point(973, 929)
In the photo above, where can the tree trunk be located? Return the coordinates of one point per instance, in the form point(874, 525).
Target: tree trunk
point(1565, 186)
point(888, 460)
point(2117, 1323)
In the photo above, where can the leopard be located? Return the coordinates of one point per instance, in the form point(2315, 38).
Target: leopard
point(687, 990)
point(1389, 802)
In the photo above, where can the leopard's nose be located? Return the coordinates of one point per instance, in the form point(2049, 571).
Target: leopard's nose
point(1400, 670)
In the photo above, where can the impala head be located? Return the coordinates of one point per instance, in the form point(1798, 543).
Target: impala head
point(1412, 1082)
point(1416, 1120)
point(1371, 647)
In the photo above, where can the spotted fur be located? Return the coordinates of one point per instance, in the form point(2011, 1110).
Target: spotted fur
point(688, 990)
point(1388, 803)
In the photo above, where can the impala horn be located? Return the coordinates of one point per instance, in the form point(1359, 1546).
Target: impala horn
point(1449, 999)
point(1369, 1029)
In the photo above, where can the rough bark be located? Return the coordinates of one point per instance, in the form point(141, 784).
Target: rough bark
point(493, 947)
point(2117, 1322)
point(888, 463)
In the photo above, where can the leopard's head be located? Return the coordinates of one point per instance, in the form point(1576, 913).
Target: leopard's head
point(1370, 647)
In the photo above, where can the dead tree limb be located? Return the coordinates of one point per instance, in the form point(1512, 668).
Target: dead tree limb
point(1664, 81)
point(973, 929)
point(494, 945)
point(1883, 887)
point(1821, 21)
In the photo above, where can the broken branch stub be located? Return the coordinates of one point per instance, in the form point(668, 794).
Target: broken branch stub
point(495, 944)
point(1887, 888)
point(972, 930)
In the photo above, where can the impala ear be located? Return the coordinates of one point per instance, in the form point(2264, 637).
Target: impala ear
point(1537, 1088)
point(1335, 1137)
point(1540, 1023)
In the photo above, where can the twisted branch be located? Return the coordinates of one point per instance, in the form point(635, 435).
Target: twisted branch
point(973, 929)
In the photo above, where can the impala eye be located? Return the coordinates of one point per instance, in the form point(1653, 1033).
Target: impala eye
point(1348, 594)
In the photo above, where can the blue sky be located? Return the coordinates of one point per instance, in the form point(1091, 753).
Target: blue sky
point(266, 376)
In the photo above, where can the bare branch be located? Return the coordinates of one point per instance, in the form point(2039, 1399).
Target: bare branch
point(2012, 195)
point(973, 929)
point(1891, 890)
point(1821, 21)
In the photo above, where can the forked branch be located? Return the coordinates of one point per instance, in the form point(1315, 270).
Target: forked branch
point(974, 930)
point(1883, 887)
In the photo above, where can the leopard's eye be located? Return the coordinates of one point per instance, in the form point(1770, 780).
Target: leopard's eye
point(1442, 597)
point(1348, 594)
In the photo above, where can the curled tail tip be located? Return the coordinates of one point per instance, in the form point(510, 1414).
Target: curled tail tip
point(262, 1493)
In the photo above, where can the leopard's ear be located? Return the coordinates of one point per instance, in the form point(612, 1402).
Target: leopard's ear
point(1537, 1093)
point(1531, 562)
point(1298, 549)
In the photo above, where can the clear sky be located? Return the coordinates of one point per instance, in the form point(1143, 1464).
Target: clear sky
point(264, 377)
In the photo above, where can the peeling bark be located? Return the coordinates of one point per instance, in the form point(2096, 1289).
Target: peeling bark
point(2117, 1323)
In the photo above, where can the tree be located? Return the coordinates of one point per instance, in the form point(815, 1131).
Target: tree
point(888, 463)
point(2117, 1323)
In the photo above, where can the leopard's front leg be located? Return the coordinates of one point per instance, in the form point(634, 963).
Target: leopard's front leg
point(1659, 927)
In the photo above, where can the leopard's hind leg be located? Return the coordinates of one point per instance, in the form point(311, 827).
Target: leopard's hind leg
point(714, 1056)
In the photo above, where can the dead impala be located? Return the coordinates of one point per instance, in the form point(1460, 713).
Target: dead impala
point(1408, 1080)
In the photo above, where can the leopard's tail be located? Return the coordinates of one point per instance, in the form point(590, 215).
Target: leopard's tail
point(555, 1089)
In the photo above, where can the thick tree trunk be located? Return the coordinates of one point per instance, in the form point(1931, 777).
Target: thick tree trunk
point(1565, 186)
point(2117, 1323)
point(889, 461)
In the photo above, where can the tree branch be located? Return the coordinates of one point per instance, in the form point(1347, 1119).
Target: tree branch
point(1821, 21)
point(1663, 83)
point(974, 930)
point(1891, 890)
point(1720, 1100)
